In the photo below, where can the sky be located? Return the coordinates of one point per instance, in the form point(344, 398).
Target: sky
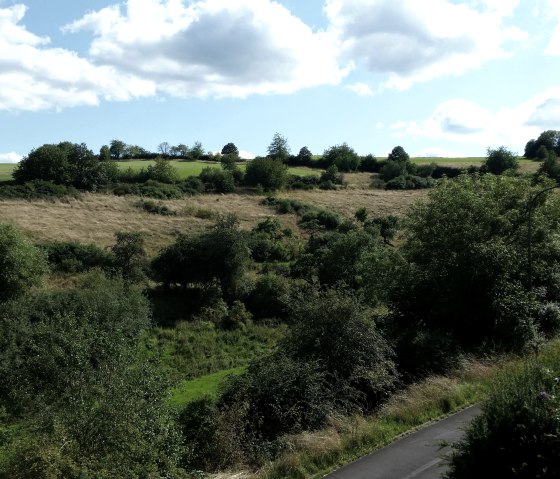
point(438, 77)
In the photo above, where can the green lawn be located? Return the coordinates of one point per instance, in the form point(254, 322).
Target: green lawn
point(187, 391)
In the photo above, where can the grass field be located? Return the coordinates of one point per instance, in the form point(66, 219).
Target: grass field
point(207, 385)
point(6, 171)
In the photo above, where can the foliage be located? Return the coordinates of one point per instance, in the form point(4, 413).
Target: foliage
point(342, 156)
point(549, 139)
point(152, 189)
point(161, 171)
point(332, 175)
point(117, 149)
point(38, 190)
point(399, 155)
point(230, 149)
point(370, 163)
point(268, 241)
point(278, 148)
point(392, 169)
point(408, 182)
point(74, 257)
point(192, 186)
point(130, 256)
point(22, 265)
point(467, 263)
point(155, 208)
point(220, 253)
point(500, 160)
point(517, 435)
point(70, 369)
point(66, 164)
point(220, 181)
point(270, 173)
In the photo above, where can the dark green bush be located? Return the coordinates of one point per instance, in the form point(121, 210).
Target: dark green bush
point(409, 182)
point(192, 186)
point(517, 435)
point(74, 257)
point(152, 189)
point(271, 174)
point(38, 190)
point(219, 181)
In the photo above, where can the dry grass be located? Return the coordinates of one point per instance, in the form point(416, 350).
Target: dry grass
point(95, 218)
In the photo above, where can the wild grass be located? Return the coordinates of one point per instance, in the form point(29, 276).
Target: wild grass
point(192, 350)
point(208, 385)
point(6, 171)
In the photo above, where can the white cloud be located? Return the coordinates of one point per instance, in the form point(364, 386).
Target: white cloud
point(415, 41)
point(10, 157)
point(467, 122)
point(218, 48)
point(246, 155)
point(361, 89)
point(553, 47)
point(34, 76)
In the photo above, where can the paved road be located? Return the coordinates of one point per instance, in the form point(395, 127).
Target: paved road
point(417, 456)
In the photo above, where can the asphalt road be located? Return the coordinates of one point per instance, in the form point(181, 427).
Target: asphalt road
point(416, 456)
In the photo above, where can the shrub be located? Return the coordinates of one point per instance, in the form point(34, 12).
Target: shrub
point(270, 297)
point(516, 435)
point(409, 182)
point(391, 170)
point(155, 208)
point(271, 174)
point(192, 186)
point(161, 171)
point(38, 190)
point(370, 164)
point(22, 265)
point(74, 257)
point(220, 181)
point(317, 218)
point(152, 189)
point(500, 160)
point(342, 156)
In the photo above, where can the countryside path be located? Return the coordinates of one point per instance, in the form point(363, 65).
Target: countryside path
point(416, 456)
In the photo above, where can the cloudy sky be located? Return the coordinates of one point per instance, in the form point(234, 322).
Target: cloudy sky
point(439, 77)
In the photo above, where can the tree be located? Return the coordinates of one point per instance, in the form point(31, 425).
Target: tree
point(66, 164)
point(271, 174)
point(163, 148)
point(278, 148)
point(500, 160)
point(220, 253)
point(117, 149)
point(104, 153)
point(22, 265)
point(230, 149)
point(343, 156)
point(399, 155)
point(466, 249)
point(304, 157)
point(550, 139)
point(129, 256)
point(162, 171)
point(196, 151)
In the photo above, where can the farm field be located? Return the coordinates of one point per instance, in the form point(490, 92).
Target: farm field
point(6, 170)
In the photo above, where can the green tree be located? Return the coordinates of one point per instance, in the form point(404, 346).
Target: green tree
point(117, 149)
point(104, 153)
point(130, 256)
point(279, 148)
point(162, 171)
point(22, 265)
point(230, 149)
point(466, 249)
point(399, 155)
point(500, 159)
point(304, 157)
point(270, 173)
point(196, 151)
point(342, 156)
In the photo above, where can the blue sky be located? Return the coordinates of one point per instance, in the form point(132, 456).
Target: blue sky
point(439, 77)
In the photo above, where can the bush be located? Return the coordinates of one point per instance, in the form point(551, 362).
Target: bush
point(370, 164)
point(409, 182)
point(152, 189)
point(155, 208)
point(391, 170)
point(74, 257)
point(270, 297)
point(500, 160)
point(219, 181)
point(516, 435)
point(271, 174)
point(162, 171)
point(38, 190)
point(341, 156)
point(22, 265)
point(192, 186)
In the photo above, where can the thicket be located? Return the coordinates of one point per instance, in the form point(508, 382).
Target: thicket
point(517, 434)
